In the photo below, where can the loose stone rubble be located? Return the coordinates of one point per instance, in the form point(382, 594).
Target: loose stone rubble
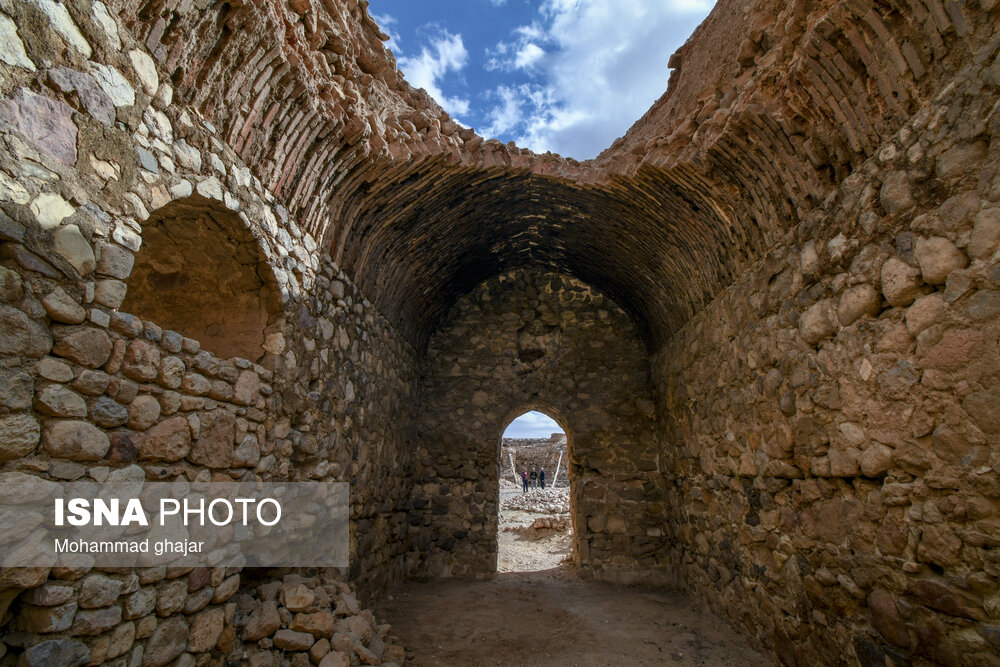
point(548, 501)
point(236, 244)
point(309, 622)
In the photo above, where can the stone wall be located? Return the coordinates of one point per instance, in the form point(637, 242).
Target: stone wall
point(832, 420)
point(92, 147)
point(347, 412)
point(535, 339)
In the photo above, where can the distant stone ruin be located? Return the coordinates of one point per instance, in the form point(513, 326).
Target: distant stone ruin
point(548, 453)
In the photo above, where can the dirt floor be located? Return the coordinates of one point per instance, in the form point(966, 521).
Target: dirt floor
point(522, 549)
point(536, 611)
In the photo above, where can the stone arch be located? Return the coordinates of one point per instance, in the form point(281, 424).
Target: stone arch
point(202, 273)
point(564, 423)
point(545, 408)
point(536, 406)
point(587, 367)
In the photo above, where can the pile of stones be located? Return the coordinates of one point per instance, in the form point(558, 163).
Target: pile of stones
point(542, 501)
point(192, 616)
point(302, 621)
point(559, 523)
point(507, 485)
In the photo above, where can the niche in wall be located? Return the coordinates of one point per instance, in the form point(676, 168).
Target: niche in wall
point(201, 272)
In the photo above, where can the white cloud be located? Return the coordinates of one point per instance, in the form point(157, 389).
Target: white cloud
point(595, 68)
point(528, 55)
point(498, 3)
point(528, 32)
point(532, 425)
point(446, 54)
point(506, 115)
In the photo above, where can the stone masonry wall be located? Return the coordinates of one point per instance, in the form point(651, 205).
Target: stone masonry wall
point(535, 339)
point(91, 146)
point(347, 413)
point(832, 420)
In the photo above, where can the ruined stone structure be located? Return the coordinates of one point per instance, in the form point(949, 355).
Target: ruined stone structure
point(235, 243)
point(536, 339)
point(537, 453)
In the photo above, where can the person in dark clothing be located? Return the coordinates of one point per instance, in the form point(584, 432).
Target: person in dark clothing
point(524, 480)
point(541, 478)
point(534, 478)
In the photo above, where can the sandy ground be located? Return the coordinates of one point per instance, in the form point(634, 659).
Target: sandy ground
point(523, 550)
point(538, 612)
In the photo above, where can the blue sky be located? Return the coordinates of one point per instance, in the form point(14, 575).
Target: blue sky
point(569, 76)
point(532, 425)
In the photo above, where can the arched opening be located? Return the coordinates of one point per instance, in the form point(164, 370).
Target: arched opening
point(201, 272)
point(534, 528)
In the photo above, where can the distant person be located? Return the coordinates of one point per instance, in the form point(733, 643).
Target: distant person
point(534, 478)
point(541, 478)
point(524, 480)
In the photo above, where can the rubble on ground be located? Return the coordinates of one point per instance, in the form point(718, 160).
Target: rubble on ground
point(542, 501)
point(309, 620)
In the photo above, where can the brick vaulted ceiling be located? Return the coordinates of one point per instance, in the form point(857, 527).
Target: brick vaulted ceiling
point(770, 104)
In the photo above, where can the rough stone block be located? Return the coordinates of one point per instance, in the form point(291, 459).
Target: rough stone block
point(143, 412)
point(110, 293)
point(98, 591)
point(76, 441)
point(62, 308)
point(923, 313)
point(49, 594)
point(297, 597)
point(264, 621)
point(856, 302)
point(69, 242)
point(206, 628)
point(290, 640)
point(896, 194)
point(11, 287)
point(47, 619)
point(86, 346)
point(900, 282)
point(22, 336)
point(57, 401)
point(335, 659)
point(115, 261)
point(319, 624)
point(876, 460)
point(167, 642)
point(984, 409)
point(19, 435)
point(818, 322)
point(108, 413)
point(170, 440)
point(95, 621)
point(938, 257)
point(170, 597)
point(141, 603)
point(62, 652)
point(214, 446)
point(142, 360)
point(45, 122)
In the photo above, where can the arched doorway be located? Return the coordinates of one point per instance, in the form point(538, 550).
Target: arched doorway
point(534, 529)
